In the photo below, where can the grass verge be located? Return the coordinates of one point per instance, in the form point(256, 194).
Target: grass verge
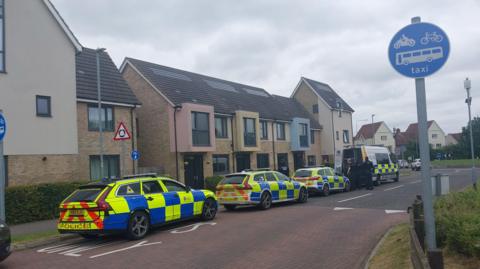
point(25, 238)
point(394, 251)
point(454, 163)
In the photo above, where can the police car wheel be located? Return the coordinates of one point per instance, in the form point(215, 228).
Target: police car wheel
point(302, 196)
point(265, 201)
point(230, 207)
point(325, 190)
point(138, 225)
point(209, 209)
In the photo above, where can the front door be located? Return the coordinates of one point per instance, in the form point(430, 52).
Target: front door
point(243, 161)
point(298, 160)
point(194, 171)
point(282, 160)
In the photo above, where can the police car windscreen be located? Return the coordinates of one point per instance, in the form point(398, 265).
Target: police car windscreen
point(84, 195)
point(303, 173)
point(233, 179)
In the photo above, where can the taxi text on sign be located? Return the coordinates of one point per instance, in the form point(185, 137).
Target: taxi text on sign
point(418, 50)
point(121, 133)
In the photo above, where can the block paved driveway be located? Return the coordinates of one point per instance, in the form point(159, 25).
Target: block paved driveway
point(338, 231)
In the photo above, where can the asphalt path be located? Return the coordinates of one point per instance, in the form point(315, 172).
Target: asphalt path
point(338, 231)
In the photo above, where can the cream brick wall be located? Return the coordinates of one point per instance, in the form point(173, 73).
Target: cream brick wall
point(153, 140)
point(88, 141)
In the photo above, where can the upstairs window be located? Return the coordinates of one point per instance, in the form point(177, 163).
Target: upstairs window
point(346, 136)
point(221, 130)
point(263, 130)
point(106, 115)
point(43, 104)
point(383, 138)
point(2, 37)
point(303, 134)
point(315, 109)
point(434, 136)
point(200, 129)
point(281, 131)
point(249, 132)
point(312, 137)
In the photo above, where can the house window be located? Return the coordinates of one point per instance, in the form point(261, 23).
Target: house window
point(383, 138)
point(281, 131)
point(2, 37)
point(315, 108)
point(221, 127)
point(439, 146)
point(43, 104)
point(337, 136)
point(312, 137)
point(346, 136)
point(200, 129)
point(111, 166)
point(303, 134)
point(434, 136)
point(263, 160)
point(249, 133)
point(106, 115)
point(220, 165)
point(263, 130)
point(312, 160)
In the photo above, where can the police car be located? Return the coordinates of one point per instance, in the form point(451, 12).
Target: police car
point(132, 206)
point(322, 180)
point(261, 188)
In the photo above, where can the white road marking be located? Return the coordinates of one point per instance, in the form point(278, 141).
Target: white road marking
point(193, 228)
point(414, 182)
point(72, 250)
point(389, 189)
point(75, 252)
point(141, 244)
point(342, 208)
point(394, 211)
point(356, 197)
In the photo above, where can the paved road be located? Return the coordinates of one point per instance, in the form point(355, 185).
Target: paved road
point(337, 231)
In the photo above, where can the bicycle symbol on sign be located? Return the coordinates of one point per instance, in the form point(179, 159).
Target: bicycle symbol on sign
point(434, 37)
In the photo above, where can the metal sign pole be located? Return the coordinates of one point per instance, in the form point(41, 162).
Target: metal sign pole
point(425, 157)
point(2, 176)
point(123, 158)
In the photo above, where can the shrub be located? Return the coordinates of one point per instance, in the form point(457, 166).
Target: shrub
point(212, 182)
point(36, 202)
point(458, 222)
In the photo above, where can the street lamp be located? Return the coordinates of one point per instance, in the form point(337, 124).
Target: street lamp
point(99, 95)
point(468, 84)
point(373, 135)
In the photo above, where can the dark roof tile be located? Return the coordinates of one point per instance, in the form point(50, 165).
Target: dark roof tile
point(328, 94)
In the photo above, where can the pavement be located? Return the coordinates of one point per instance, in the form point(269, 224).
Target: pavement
point(33, 227)
point(338, 231)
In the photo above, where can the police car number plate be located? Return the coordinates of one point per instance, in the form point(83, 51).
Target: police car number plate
point(75, 226)
point(76, 212)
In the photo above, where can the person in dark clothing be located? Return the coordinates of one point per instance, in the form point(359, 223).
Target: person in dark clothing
point(352, 174)
point(367, 170)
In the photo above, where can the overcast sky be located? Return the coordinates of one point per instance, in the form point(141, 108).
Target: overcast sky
point(271, 44)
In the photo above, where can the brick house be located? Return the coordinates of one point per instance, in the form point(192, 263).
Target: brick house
point(329, 110)
point(192, 126)
point(376, 133)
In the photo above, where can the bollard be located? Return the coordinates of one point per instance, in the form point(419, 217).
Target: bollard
point(435, 258)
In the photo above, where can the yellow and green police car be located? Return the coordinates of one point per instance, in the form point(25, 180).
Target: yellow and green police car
point(261, 188)
point(132, 206)
point(322, 180)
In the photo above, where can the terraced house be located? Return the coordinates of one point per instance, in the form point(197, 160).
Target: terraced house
point(192, 126)
point(48, 94)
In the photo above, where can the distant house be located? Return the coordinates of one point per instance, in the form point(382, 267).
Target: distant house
point(329, 110)
point(436, 136)
point(376, 133)
point(401, 142)
point(453, 139)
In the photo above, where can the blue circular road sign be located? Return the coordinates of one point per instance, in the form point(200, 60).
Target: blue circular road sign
point(3, 127)
point(419, 50)
point(135, 155)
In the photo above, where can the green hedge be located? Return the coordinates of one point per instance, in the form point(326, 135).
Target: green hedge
point(212, 182)
point(36, 202)
point(458, 222)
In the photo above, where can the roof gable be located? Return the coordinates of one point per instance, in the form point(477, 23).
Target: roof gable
point(327, 94)
point(114, 88)
point(368, 130)
point(73, 39)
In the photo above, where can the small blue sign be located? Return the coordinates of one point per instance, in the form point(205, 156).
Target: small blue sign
point(3, 127)
point(135, 155)
point(418, 50)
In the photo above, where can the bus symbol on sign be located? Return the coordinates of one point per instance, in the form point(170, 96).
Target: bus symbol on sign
point(3, 127)
point(419, 50)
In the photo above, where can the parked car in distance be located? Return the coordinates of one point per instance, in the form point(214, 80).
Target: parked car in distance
point(260, 188)
point(5, 240)
point(416, 165)
point(403, 164)
point(132, 206)
point(322, 180)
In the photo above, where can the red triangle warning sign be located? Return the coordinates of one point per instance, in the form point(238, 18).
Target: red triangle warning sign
point(121, 133)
